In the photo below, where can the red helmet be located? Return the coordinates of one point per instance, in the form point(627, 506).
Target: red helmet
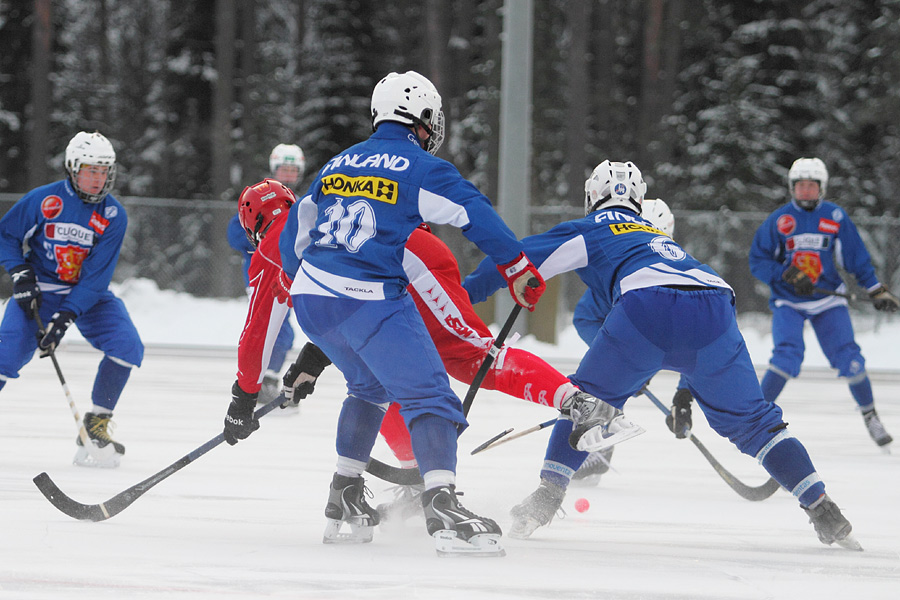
point(259, 204)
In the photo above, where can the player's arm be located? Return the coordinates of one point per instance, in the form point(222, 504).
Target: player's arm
point(766, 256)
point(269, 304)
point(15, 226)
point(556, 251)
point(295, 235)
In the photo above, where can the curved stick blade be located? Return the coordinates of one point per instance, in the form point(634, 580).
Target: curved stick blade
point(76, 510)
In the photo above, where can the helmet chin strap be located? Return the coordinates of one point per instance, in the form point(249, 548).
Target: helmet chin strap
point(808, 205)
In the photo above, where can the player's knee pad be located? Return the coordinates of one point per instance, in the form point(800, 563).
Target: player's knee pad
point(850, 365)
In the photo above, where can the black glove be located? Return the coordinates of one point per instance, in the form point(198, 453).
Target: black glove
point(26, 292)
point(240, 421)
point(679, 418)
point(884, 300)
point(300, 379)
point(56, 329)
point(803, 285)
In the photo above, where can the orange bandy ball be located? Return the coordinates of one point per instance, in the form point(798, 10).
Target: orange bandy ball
point(582, 504)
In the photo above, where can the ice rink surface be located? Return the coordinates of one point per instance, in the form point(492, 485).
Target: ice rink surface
point(247, 521)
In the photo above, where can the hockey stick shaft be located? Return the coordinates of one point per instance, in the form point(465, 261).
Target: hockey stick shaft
point(496, 440)
point(121, 501)
point(76, 414)
point(754, 494)
point(494, 350)
point(850, 297)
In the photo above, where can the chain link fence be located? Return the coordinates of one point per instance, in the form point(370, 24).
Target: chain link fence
point(182, 246)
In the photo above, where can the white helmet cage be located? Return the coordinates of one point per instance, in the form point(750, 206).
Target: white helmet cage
point(411, 99)
point(287, 154)
point(658, 213)
point(614, 184)
point(812, 169)
point(90, 149)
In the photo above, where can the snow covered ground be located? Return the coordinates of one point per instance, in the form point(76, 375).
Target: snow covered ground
point(246, 522)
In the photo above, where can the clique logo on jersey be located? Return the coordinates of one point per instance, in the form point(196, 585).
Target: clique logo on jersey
point(786, 224)
point(51, 206)
point(808, 241)
point(373, 188)
point(68, 232)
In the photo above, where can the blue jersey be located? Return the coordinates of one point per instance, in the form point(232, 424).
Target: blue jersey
point(589, 316)
point(351, 228)
point(237, 239)
point(73, 246)
point(612, 250)
point(817, 242)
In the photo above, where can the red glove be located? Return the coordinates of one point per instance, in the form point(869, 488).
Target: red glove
point(525, 283)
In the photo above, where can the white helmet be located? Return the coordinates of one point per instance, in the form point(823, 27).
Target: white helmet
point(658, 213)
point(411, 99)
point(812, 169)
point(90, 149)
point(614, 184)
point(287, 154)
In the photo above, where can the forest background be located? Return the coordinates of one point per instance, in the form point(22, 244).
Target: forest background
point(713, 99)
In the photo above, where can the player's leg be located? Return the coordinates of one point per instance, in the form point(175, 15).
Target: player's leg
point(107, 326)
point(835, 334)
point(561, 462)
point(724, 384)
point(18, 337)
point(358, 423)
point(405, 360)
point(391, 339)
point(787, 354)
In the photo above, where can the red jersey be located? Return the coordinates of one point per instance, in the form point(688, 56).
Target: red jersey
point(270, 300)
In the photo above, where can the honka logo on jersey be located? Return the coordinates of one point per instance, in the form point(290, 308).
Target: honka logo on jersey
point(620, 228)
point(69, 232)
point(373, 188)
point(98, 223)
point(829, 226)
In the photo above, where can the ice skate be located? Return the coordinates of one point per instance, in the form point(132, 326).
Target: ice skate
point(456, 530)
point(536, 510)
point(104, 452)
point(877, 431)
point(596, 424)
point(347, 504)
point(593, 467)
point(407, 503)
point(831, 526)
